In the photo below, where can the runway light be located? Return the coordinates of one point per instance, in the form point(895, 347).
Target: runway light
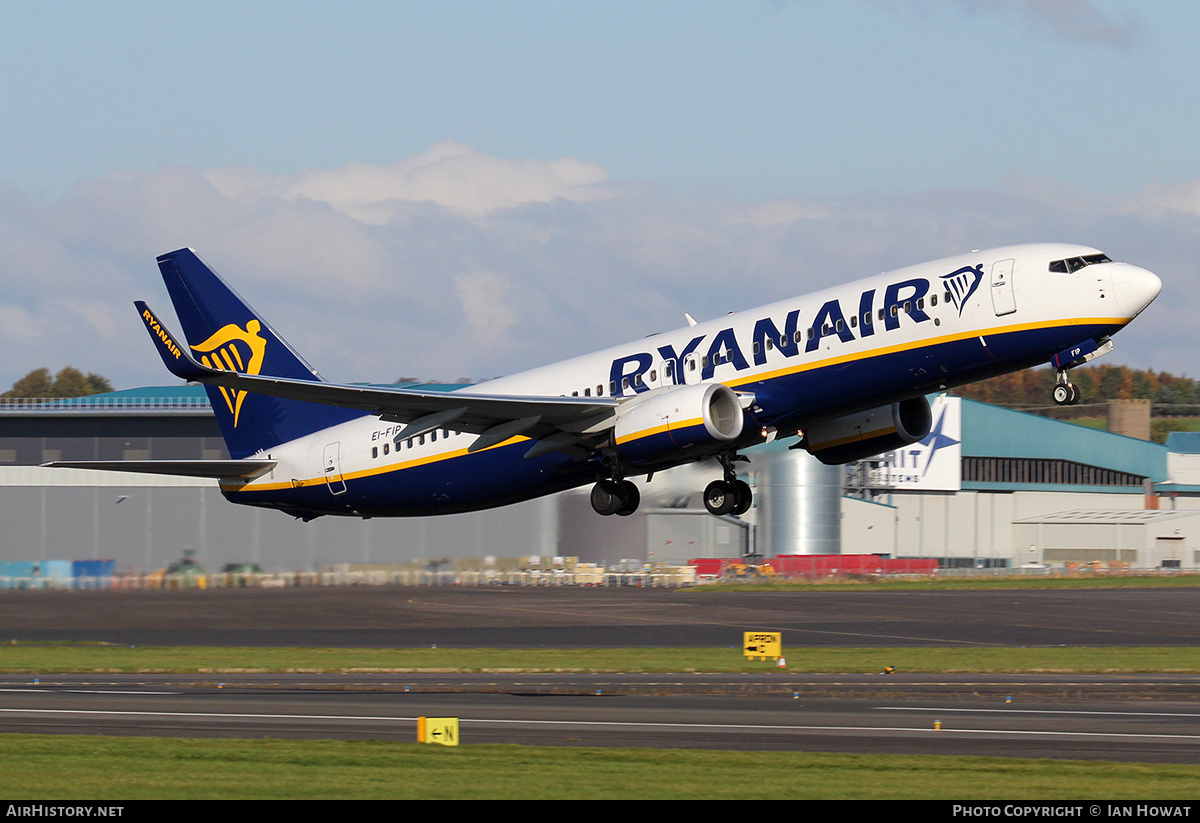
point(937, 725)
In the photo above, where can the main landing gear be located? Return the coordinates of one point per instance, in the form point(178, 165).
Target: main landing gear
point(727, 496)
point(730, 495)
point(1065, 392)
point(615, 497)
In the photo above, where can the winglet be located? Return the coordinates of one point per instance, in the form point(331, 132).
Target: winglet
point(174, 355)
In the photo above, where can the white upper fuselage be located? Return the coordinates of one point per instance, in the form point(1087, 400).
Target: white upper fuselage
point(855, 346)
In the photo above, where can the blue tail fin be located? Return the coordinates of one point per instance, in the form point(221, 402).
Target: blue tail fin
point(224, 332)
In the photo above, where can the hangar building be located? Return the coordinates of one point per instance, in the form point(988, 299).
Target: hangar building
point(990, 488)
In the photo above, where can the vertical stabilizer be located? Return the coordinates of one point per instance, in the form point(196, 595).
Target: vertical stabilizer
point(224, 332)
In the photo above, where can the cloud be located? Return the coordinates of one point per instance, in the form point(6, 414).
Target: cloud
point(541, 260)
point(1076, 21)
point(449, 175)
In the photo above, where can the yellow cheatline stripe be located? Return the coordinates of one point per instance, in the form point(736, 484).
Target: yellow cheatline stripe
point(698, 421)
point(374, 470)
point(757, 378)
point(920, 344)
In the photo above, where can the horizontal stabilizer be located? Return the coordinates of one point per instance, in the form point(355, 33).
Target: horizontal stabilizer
point(218, 469)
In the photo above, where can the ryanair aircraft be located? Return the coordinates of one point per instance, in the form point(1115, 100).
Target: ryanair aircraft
point(845, 370)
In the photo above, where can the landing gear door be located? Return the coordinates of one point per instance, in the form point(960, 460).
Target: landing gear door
point(1003, 300)
point(333, 469)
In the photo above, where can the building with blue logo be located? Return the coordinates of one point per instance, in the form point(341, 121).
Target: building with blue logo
point(989, 488)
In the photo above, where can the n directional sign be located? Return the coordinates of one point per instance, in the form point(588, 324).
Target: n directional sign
point(443, 730)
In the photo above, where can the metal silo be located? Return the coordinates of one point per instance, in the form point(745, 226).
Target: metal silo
point(799, 503)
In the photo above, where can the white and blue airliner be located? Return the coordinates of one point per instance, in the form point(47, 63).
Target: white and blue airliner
point(845, 370)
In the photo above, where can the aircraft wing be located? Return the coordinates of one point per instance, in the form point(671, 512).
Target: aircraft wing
point(218, 469)
point(558, 423)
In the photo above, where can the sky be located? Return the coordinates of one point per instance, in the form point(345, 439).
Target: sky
point(467, 189)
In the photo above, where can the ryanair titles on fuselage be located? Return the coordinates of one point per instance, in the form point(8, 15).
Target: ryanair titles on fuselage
point(902, 298)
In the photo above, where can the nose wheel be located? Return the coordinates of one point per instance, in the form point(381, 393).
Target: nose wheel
point(1065, 392)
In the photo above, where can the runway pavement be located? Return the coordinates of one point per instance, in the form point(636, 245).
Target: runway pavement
point(1144, 718)
point(914, 722)
point(581, 617)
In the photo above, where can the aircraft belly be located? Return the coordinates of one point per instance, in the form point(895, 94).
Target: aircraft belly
point(462, 483)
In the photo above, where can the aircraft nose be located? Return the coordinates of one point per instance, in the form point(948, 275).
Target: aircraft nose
point(1134, 287)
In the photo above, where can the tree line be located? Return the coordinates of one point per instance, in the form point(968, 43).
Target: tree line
point(1169, 393)
point(68, 382)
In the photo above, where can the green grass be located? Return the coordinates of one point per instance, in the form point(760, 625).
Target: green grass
point(45, 767)
point(43, 658)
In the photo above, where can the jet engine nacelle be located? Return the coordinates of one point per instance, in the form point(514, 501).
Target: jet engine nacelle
point(682, 418)
point(867, 433)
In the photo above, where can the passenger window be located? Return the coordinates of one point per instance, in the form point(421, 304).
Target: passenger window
point(854, 321)
point(385, 448)
point(374, 452)
point(587, 392)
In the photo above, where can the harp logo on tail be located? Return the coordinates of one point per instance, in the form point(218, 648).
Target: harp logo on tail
point(232, 348)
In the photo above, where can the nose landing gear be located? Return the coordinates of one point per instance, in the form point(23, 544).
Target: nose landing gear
point(1065, 392)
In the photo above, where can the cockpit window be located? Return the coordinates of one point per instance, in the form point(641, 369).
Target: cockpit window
point(1074, 264)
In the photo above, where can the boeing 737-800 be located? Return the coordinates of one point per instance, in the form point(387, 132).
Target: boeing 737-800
point(846, 370)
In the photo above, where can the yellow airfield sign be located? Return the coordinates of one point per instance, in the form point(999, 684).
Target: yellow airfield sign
point(442, 730)
point(762, 645)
